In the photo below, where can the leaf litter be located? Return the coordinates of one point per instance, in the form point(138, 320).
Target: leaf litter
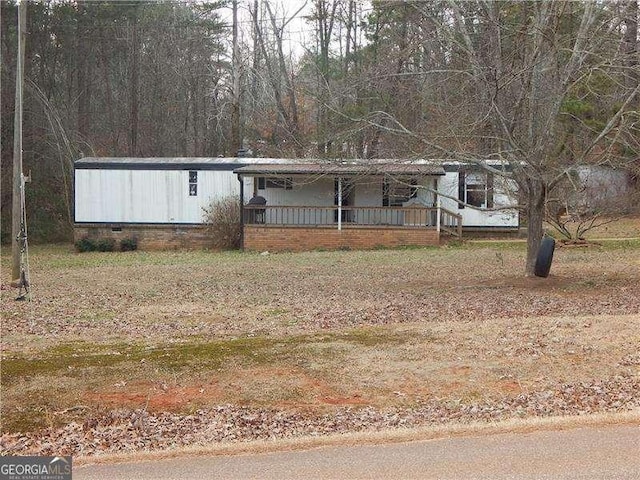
point(162, 298)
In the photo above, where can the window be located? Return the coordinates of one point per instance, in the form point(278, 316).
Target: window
point(261, 183)
point(193, 183)
point(276, 182)
point(475, 189)
point(397, 192)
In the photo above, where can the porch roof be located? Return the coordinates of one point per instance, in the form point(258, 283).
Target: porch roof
point(343, 168)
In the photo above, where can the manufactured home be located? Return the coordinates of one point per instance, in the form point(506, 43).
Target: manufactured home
point(289, 204)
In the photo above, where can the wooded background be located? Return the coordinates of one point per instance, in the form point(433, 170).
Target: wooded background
point(543, 85)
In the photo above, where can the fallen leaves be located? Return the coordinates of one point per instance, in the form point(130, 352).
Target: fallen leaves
point(130, 430)
point(490, 313)
point(236, 295)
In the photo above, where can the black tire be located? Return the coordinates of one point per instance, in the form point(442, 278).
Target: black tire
point(544, 258)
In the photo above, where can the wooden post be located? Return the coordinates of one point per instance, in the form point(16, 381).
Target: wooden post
point(17, 214)
point(438, 213)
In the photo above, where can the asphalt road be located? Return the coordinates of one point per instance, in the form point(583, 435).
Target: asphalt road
point(583, 453)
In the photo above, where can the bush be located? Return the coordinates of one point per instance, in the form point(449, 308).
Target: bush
point(128, 244)
point(85, 245)
point(222, 218)
point(105, 245)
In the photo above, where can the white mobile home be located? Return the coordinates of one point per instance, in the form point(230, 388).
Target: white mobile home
point(487, 192)
point(303, 204)
point(159, 201)
point(151, 190)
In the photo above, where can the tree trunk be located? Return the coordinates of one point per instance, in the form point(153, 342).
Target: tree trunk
point(108, 95)
point(631, 46)
point(256, 58)
point(133, 97)
point(535, 216)
point(324, 23)
point(291, 121)
point(83, 73)
point(236, 136)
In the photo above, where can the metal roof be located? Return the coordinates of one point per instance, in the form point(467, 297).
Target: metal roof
point(345, 168)
point(283, 166)
point(262, 166)
point(173, 163)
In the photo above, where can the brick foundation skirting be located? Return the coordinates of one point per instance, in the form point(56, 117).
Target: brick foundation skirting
point(261, 238)
point(274, 239)
point(149, 237)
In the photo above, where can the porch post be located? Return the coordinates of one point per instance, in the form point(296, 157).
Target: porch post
point(241, 179)
point(438, 216)
point(339, 203)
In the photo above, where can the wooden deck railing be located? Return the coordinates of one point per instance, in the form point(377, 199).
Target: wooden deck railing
point(407, 217)
point(450, 223)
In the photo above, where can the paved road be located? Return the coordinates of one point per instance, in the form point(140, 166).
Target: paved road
point(582, 453)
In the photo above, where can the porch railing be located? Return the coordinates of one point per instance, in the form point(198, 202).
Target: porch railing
point(409, 217)
point(450, 223)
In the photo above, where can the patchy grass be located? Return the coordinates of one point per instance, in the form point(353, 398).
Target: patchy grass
point(620, 244)
point(179, 331)
point(625, 227)
point(85, 370)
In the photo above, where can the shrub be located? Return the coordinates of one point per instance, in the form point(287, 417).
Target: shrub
point(85, 244)
point(222, 218)
point(105, 245)
point(128, 244)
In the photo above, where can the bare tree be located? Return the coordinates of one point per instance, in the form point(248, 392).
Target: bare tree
point(515, 74)
point(110, 78)
point(280, 77)
point(587, 198)
point(324, 15)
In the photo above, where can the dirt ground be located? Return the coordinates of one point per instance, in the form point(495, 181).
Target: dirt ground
point(284, 344)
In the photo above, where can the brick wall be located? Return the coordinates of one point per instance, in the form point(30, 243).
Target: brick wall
point(261, 238)
point(150, 237)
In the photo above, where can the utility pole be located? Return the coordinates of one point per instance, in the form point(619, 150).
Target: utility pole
point(17, 214)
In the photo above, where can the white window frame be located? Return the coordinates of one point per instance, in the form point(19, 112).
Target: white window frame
point(476, 182)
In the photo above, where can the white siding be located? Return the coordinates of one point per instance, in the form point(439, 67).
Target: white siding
point(472, 217)
point(306, 191)
point(162, 196)
point(149, 196)
point(368, 192)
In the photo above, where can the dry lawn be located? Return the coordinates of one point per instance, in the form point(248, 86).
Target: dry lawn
point(221, 344)
point(624, 227)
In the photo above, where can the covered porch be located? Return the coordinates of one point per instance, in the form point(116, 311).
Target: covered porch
point(343, 205)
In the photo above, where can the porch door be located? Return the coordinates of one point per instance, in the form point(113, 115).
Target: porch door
point(348, 194)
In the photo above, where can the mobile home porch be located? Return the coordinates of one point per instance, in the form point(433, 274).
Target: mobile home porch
point(335, 206)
